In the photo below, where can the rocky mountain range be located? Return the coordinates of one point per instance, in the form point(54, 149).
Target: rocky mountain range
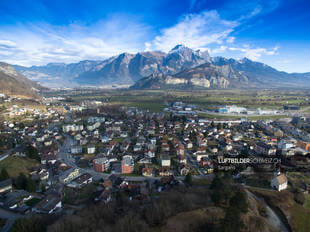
point(204, 76)
point(226, 73)
point(122, 69)
point(181, 67)
point(14, 83)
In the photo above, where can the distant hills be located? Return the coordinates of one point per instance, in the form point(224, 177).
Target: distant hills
point(14, 83)
point(182, 67)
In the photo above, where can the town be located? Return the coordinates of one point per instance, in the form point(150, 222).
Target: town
point(88, 152)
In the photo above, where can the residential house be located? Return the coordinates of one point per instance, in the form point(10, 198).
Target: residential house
point(165, 160)
point(304, 145)
point(264, 149)
point(16, 198)
point(19, 152)
point(153, 141)
point(91, 149)
point(279, 182)
point(137, 147)
point(5, 186)
point(285, 145)
point(180, 150)
point(81, 181)
point(200, 156)
point(69, 175)
point(76, 149)
point(182, 159)
point(184, 170)
point(127, 164)
point(106, 195)
point(48, 143)
point(72, 127)
point(39, 173)
point(150, 154)
point(48, 205)
point(101, 164)
point(94, 126)
point(165, 171)
point(188, 144)
point(48, 158)
point(147, 172)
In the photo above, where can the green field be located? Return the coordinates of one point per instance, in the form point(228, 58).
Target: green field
point(307, 203)
point(156, 100)
point(300, 218)
point(16, 165)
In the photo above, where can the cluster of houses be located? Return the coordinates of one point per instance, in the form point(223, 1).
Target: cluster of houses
point(157, 144)
point(134, 142)
point(18, 200)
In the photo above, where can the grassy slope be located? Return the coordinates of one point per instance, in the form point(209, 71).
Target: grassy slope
point(299, 216)
point(186, 220)
point(307, 203)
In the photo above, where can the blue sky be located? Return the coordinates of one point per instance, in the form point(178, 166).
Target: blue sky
point(37, 32)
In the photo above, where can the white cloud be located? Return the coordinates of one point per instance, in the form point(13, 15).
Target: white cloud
point(195, 31)
point(230, 39)
point(28, 44)
point(254, 53)
point(7, 43)
point(147, 46)
point(41, 44)
point(219, 49)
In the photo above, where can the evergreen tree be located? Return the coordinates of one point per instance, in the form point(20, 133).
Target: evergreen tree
point(21, 181)
point(188, 179)
point(239, 201)
point(221, 191)
point(32, 224)
point(232, 221)
point(43, 188)
point(32, 153)
point(30, 185)
point(4, 175)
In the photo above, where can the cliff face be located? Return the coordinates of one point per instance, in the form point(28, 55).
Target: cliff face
point(203, 76)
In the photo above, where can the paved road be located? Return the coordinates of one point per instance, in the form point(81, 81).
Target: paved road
point(193, 163)
point(11, 217)
point(7, 153)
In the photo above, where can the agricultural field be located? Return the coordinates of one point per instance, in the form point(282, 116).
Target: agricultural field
point(156, 100)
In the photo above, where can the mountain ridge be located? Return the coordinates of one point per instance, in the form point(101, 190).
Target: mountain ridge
point(128, 69)
point(125, 68)
point(14, 83)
